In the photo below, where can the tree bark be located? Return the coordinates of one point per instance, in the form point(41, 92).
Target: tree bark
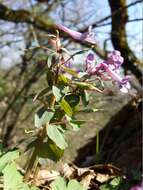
point(119, 37)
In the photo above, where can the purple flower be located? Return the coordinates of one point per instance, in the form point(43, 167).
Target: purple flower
point(111, 68)
point(84, 37)
point(137, 187)
point(68, 64)
point(89, 61)
point(124, 84)
point(115, 59)
point(90, 57)
point(78, 70)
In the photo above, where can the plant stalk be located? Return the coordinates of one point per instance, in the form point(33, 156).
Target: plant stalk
point(30, 164)
point(97, 148)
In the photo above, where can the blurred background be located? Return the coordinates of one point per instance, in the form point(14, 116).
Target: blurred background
point(118, 25)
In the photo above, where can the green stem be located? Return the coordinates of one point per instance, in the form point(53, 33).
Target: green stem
point(31, 164)
point(97, 147)
point(37, 168)
point(32, 160)
point(97, 143)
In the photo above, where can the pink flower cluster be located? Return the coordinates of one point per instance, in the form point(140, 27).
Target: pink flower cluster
point(108, 69)
point(83, 37)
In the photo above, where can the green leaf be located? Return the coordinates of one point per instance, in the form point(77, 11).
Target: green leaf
point(116, 181)
point(12, 178)
point(50, 77)
point(33, 188)
point(66, 107)
point(75, 123)
point(70, 71)
point(49, 60)
point(63, 79)
point(56, 136)
point(59, 184)
point(114, 184)
point(74, 185)
point(65, 90)
point(24, 187)
point(72, 99)
point(86, 86)
point(1, 149)
point(57, 93)
point(83, 75)
point(70, 103)
point(43, 116)
point(105, 187)
point(50, 150)
point(85, 97)
point(8, 157)
point(52, 59)
point(109, 187)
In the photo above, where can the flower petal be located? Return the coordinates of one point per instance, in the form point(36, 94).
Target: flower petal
point(84, 37)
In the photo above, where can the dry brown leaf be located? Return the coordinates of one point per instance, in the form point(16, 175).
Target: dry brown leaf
point(86, 179)
point(102, 177)
point(46, 176)
point(67, 171)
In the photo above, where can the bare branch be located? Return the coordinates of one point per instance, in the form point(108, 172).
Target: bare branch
point(109, 23)
point(23, 16)
point(119, 37)
point(47, 25)
point(119, 9)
